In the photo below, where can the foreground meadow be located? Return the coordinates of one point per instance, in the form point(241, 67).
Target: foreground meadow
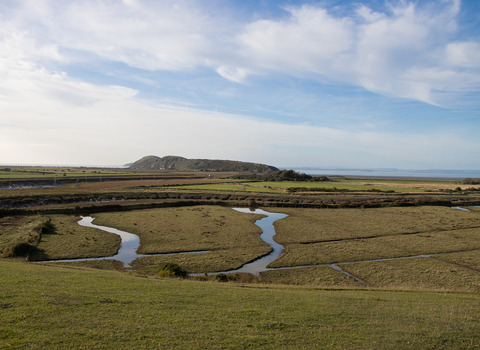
point(53, 307)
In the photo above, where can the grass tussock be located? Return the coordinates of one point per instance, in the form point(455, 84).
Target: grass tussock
point(20, 236)
point(67, 240)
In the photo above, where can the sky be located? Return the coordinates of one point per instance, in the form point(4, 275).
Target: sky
point(327, 84)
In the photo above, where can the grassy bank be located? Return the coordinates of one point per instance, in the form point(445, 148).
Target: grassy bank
point(329, 235)
point(310, 236)
point(58, 308)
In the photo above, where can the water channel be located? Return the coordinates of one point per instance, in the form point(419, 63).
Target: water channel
point(130, 243)
point(128, 250)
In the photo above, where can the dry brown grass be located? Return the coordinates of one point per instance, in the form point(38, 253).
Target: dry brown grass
point(320, 276)
point(231, 236)
point(413, 185)
point(214, 261)
point(186, 229)
point(14, 230)
point(418, 274)
point(312, 225)
point(468, 259)
point(357, 235)
point(158, 182)
point(68, 240)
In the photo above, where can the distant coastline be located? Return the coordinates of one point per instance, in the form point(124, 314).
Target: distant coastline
point(378, 173)
point(393, 173)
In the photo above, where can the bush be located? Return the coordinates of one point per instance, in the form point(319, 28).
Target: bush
point(221, 277)
point(21, 249)
point(282, 175)
point(470, 181)
point(172, 270)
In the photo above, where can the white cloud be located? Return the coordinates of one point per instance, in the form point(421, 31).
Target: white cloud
point(375, 50)
point(463, 54)
point(234, 74)
point(308, 41)
point(98, 123)
point(49, 117)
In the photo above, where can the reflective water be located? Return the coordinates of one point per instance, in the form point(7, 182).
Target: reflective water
point(460, 208)
point(128, 250)
point(130, 243)
point(266, 224)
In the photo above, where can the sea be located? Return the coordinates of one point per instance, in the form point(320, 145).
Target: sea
point(396, 173)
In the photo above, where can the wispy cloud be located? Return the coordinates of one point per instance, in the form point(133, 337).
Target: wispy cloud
point(406, 50)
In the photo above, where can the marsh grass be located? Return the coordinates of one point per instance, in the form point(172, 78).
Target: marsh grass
point(330, 236)
point(217, 260)
point(311, 225)
point(186, 229)
point(50, 307)
point(19, 236)
point(379, 248)
point(68, 240)
point(468, 259)
point(416, 273)
point(320, 276)
point(232, 237)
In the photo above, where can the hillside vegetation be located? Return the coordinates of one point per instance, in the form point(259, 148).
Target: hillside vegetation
point(281, 175)
point(184, 164)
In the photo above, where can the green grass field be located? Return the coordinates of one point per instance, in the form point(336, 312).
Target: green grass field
point(53, 307)
point(240, 187)
point(279, 187)
point(49, 172)
point(332, 185)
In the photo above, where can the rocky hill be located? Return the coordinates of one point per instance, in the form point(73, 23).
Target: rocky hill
point(184, 164)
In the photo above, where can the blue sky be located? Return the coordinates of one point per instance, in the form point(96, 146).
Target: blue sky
point(362, 84)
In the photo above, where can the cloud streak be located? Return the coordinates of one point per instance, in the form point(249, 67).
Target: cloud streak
point(382, 52)
point(404, 50)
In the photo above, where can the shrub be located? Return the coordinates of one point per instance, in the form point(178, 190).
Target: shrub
point(221, 277)
point(172, 270)
point(470, 181)
point(21, 249)
point(281, 175)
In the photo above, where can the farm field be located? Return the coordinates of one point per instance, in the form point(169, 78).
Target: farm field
point(414, 186)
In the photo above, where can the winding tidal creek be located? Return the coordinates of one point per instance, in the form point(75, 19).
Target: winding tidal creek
point(128, 250)
point(130, 243)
